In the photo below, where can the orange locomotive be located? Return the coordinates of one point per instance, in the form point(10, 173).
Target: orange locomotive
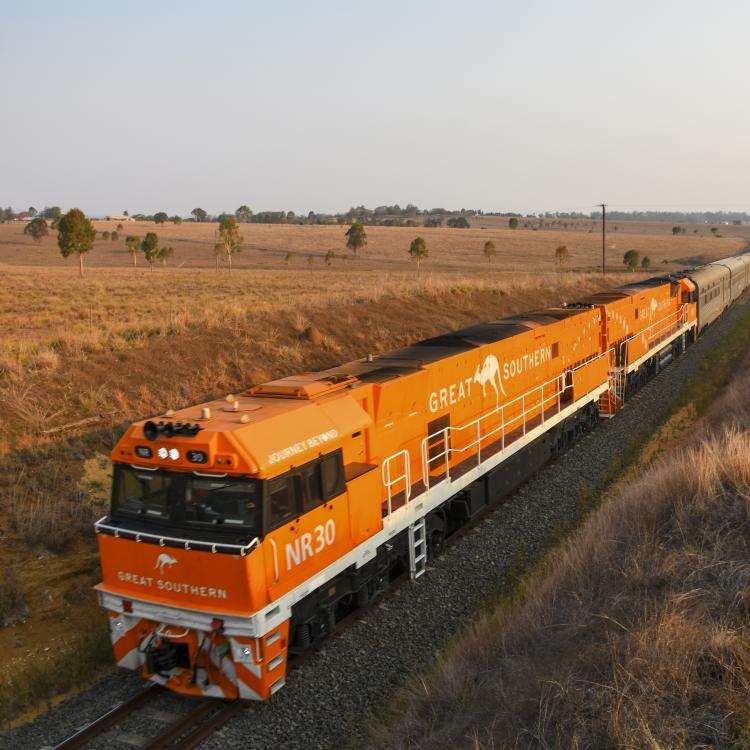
point(243, 528)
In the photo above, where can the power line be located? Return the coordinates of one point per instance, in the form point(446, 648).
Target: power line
point(604, 232)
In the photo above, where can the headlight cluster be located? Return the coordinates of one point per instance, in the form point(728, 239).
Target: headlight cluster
point(193, 456)
point(172, 453)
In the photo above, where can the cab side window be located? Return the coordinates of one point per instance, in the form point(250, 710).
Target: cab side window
point(311, 485)
point(304, 488)
point(283, 503)
point(332, 474)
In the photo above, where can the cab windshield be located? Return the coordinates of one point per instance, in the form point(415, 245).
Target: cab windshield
point(230, 504)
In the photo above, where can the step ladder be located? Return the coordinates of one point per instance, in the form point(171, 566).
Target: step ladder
point(417, 548)
point(614, 397)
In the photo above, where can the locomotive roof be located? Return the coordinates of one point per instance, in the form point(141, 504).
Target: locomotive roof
point(408, 359)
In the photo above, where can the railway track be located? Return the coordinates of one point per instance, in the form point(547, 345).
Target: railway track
point(183, 734)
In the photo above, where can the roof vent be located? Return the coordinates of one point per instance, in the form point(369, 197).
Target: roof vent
point(304, 386)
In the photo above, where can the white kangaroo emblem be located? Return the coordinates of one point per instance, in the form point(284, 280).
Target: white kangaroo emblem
point(162, 560)
point(490, 373)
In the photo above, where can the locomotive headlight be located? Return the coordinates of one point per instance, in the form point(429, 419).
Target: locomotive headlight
point(162, 453)
point(174, 454)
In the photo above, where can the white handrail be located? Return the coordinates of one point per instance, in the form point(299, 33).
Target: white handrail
point(275, 560)
point(539, 406)
point(405, 477)
point(243, 549)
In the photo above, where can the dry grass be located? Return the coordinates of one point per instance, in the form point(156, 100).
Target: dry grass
point(634, 635)
point(115, 310)
point(13, 607)
point(86, 349)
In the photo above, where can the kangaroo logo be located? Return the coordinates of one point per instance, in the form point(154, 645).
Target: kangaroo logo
point(489, 372)
point(164, 560)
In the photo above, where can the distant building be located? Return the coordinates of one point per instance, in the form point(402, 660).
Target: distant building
point(119, 218)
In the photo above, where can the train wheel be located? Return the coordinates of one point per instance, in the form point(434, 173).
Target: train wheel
point(435, 534)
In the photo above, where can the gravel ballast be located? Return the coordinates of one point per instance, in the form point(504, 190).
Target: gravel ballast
point(327, 702)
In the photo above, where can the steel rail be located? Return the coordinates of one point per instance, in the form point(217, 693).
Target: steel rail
point(104, 722)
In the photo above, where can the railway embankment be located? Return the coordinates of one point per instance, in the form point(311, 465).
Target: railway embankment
point(417, 631)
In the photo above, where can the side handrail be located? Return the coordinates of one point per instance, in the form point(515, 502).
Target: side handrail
point(389, 481)
point(533, 402)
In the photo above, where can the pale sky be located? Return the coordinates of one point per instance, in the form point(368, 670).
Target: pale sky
point(527, 106)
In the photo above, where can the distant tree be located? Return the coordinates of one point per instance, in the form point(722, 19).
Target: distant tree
point(330, 255)
point(645, 263)
point(119, 227)
point(133, 243)
point(489, 250)
point(125, 213)
point(356, 237)
point(458, 223)
point(561, 255)
point(630, 259)
point(715, 231)
point(36, 228)
point(433, 221)
point(164, 254)
point(114, 236)
point(418, 250)
point(150, 248)
point(513, 222)
point(33, 211)
point(160, 217)
point(231, 237)
point(177, 219)
point(218, 253)
point(676, 230)
point(105, 235)
point(311, 217)
point(53, 213)
point(288, 259)
point(76, 235)
point(200, 214)
point(243, 214)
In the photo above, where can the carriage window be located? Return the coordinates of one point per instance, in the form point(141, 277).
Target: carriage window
point(332, 474)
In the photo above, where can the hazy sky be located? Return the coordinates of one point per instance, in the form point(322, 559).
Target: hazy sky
point(526, 106)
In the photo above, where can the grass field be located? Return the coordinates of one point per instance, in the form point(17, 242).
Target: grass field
point(266, 246)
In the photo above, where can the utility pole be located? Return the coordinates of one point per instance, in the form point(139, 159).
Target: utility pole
point(604, 236)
